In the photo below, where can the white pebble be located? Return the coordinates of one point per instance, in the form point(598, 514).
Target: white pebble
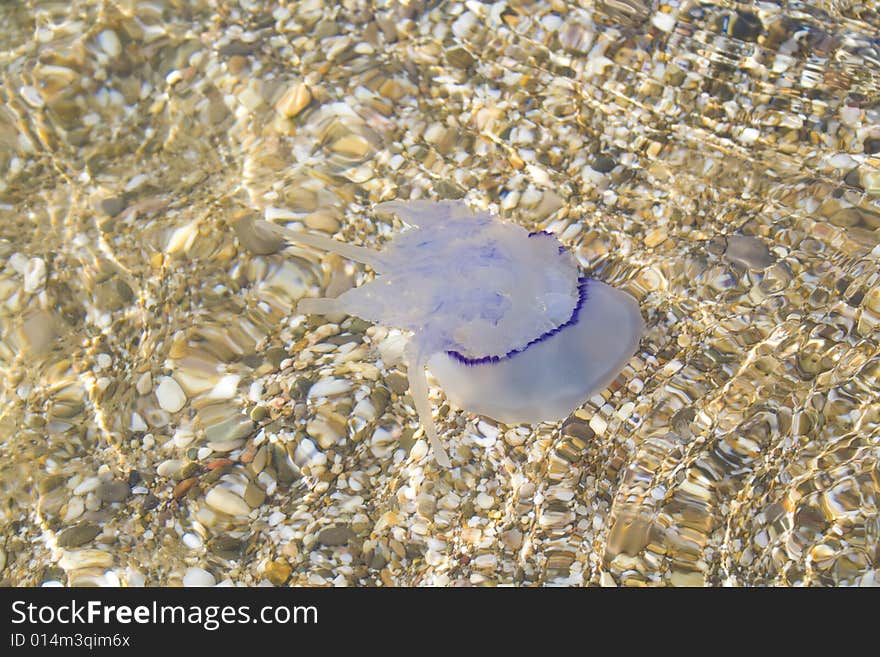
point(169, 468)
point(137, 422)
point(749, 135)
point(485, 501)
point(626, 410)
point(18, 261)
point(183, 436)
point(109, 43)
point(663, 21)
point(136, 181)
point(552, 22)
point(225, 388)
point(842, 161)
point(144, 384)
point(485, 561)
point(192, 541)
point(196, 577)
point(87, 486)
point(134, 578)
point(850, 116)
point(34, 275)
point(75, 508)
point(598, 425)
point(329, 387)
point(464, 24)
point(365, 410)
point(170, 395)
point(224, 500)
point(31, 96)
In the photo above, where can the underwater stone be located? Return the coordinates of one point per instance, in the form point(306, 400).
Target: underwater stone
point(170, 395)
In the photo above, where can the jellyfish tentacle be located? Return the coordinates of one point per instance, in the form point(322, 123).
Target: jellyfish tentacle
point(357, 253)
point(318, 306)
point(418, 387)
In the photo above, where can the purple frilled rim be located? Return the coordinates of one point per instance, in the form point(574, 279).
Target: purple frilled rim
point(583, 295)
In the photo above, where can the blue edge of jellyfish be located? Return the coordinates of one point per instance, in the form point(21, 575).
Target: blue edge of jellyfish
point(583, 295)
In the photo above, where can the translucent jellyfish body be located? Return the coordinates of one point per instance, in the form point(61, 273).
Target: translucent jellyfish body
point(502, 317)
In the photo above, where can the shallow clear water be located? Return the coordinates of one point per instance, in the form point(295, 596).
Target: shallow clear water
point(717, 161)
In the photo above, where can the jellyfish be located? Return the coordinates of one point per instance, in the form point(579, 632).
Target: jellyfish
point(503, 318)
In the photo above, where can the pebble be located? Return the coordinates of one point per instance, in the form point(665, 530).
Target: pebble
point(198, 577)
point(87, 486)
point(598, 425)
point(223, 499)
point(382, 442)
point(170, 468)
point(353, 146)
point(34, 275)
point(78, 535)
point(144, 384)
point(149, 502)
point(326, 436)
point(112, 205)
point(278, 572)
point(88, 558)
point(32, 97)
point(113, 491)
point(137, 422)
point(192, 541)
point(485, 501)
point(323, 220)
point(170, 395)
point(294, 101)
point(75, 508)
point(603, 164)
point(329, 387)
point(607, 581)
point(254, 495)
point(336, 535)
point(749, 135)
point(748, 251)
point(512, 538)
point(365, 410)
point(109, 42)
point(397, 382)
point(850, 116)
point(226, 388)
point(663, 21)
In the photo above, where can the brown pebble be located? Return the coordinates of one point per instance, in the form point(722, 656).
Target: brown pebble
point(113, 491)
point(293, 101)
point(278, 571)
point(397, 382)
point(149, 502)
point(219, 463)
point(236, 64)
point(183, 487)
point(335, 535)
point(247, 456)
point(78, 535)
